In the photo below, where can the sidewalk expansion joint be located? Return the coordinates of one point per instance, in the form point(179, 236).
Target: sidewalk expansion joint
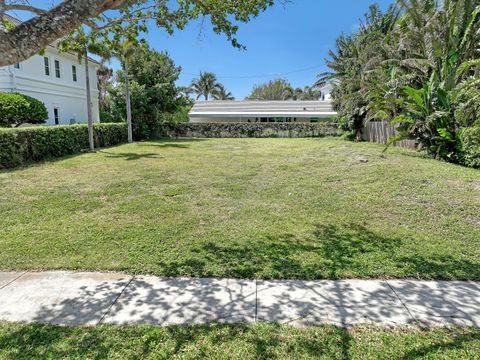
point(116, 299)
point(12, 281)
point(401, 301)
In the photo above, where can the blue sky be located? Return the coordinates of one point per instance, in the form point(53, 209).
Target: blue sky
point(288, 41)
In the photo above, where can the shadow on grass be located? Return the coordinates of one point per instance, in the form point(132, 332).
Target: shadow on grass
point(170, 143)
point(131, 155)
point(330, 252)
point(457, 339)
point(38, 341)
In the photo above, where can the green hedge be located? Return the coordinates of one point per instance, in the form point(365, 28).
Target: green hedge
point(24, 145)
point(470, 143)
point(253, 130)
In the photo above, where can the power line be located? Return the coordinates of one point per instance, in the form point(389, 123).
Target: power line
point(261, 76)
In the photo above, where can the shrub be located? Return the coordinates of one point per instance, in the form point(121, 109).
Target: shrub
point(37, 112)
point(22, 146)
point(470, 146)
point(17, 109)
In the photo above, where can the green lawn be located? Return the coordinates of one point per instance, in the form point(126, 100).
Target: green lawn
point(261, 341)
point(247, 208)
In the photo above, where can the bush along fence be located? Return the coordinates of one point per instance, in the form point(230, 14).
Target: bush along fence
point(25, 145)
point(255, 130)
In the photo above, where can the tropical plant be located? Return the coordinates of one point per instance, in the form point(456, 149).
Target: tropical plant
point(221, 93)
point(307, 93)
point(205, 85)
point(416, 65)
point(279, 89)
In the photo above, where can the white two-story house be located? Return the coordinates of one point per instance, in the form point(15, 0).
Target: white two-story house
point(58, 80)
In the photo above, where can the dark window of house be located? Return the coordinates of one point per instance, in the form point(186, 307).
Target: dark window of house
point(74, 73)
point(17, 66)
point(56, 115)
point(57, 68)
point(263, 119)
point(46, 62)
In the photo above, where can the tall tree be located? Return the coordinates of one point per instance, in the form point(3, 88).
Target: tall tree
point(278, 89)
point(307, 93)
point(416, 65)
point(82, 43)
point(152, 77)
point(51, 23)
point(205, 85)
point(104, 79)
point(221, 93)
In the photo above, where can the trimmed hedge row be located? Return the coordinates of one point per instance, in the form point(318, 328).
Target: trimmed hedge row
point(255, 130)
point(24, 145)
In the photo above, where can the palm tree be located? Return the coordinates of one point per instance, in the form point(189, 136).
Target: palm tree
point(307, 93)
point(126, 50)
point(104, 79)
point(221, 93)
point(278, 89)
point(416, 65)
point(205, 85)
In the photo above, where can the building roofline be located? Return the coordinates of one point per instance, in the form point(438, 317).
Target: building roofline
point(255, 108)
point(265, 114)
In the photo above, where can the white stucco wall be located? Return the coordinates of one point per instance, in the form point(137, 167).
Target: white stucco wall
point(62, 93)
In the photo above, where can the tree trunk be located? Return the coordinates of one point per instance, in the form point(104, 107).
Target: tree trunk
point(89, 103)
point(31, 36)
point(2, 13)
point(129, 106)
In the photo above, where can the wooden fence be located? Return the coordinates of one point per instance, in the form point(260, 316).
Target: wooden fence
point(381, 131)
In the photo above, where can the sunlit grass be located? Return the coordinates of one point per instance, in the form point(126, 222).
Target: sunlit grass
point(248, 208)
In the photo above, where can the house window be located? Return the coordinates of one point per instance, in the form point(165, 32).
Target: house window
point(46, 62)
point(17, 66)
point(56, 115)
point(57, 68)
point(74, 73)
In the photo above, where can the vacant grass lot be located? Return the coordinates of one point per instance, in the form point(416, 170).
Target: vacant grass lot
point(266, 208)
point(243, 342)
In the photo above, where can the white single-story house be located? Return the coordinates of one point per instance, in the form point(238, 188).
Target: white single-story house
point(58, 80)
point(260, 111)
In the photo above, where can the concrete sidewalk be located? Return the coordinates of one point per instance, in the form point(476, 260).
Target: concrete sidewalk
point(80, 298)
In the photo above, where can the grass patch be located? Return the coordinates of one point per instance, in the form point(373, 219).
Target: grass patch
point(246, 208)
point(260, 341)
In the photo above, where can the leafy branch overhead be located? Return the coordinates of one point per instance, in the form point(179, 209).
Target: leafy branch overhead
point(113, 19)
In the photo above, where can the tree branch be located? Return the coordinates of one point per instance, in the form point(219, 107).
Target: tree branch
point(23, 7)
point(29, 37)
